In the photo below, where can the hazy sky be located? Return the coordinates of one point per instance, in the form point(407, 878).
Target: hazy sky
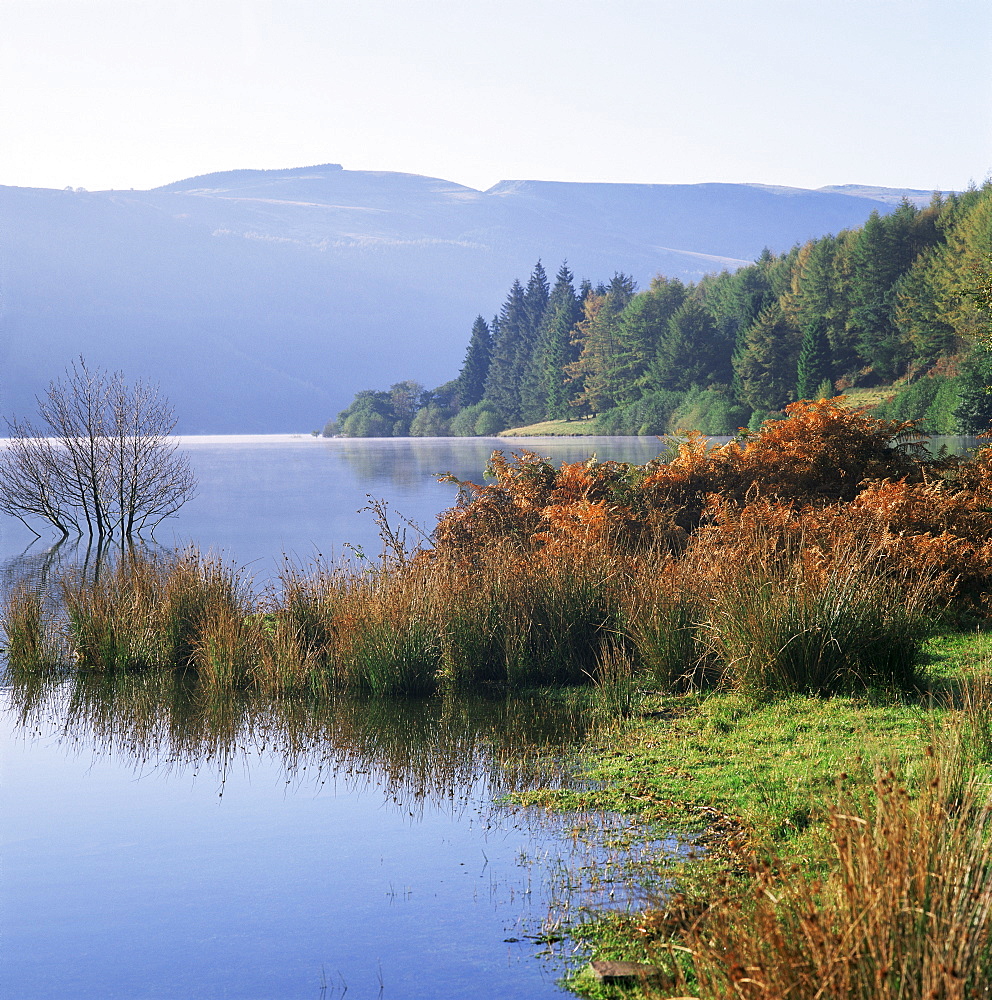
point(135, 93)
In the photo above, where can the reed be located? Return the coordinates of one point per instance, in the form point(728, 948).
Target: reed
point(31, 636)
point(512, 625)
point(750, 613)
point(615, 689)
point(786, 617)
point(387, 638)
point(904, 912)
point(226, 650)
point(309, 598)
point(198, 599)
point(666, 617)
point(110, 616)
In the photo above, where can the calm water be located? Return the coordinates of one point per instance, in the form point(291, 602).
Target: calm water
point(156, 845)
point(260, 497)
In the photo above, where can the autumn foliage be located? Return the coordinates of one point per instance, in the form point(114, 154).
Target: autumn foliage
point(811, 556)
point(827, 475)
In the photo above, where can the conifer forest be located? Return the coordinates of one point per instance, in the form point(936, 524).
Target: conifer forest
point(891, 310)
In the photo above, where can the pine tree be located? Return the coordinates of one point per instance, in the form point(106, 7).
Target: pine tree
point(690, 352)
point(531, 390)
point(546, 393)
point(813, 367)
point(641, 328)
point(503, 379)
point(536, 299)
point(881, 252)
point(974, 407)
point(766, 363)
point(471, 382)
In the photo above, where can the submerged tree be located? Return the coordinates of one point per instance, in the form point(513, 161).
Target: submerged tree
point(102, 462)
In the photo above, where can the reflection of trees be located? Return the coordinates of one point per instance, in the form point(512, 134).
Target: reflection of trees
point(38, 565)
point(407, 462)
point(435, 751)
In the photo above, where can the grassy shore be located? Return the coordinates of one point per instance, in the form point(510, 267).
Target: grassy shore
point(759, 784)
point(853, 399)
point(553, 428)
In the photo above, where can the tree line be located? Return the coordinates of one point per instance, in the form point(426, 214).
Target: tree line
point(901, 303)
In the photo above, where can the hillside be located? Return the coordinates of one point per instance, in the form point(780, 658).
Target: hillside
point(261, 300)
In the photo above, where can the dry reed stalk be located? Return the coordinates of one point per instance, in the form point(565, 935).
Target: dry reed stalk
point(904, 914)
point(665, 607)
point(30, 631)
point(789, 613)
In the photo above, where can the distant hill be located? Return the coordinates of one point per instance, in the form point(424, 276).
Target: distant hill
point(261, 300)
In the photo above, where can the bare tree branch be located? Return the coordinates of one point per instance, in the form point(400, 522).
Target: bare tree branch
point(104, 462)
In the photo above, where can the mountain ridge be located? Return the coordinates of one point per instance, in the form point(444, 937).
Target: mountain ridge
point(261, 300)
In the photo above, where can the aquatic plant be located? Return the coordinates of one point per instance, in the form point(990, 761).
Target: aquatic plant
point(30, 631)
point(745, 565)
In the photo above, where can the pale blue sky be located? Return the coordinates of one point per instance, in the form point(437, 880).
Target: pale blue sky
point(134, 93)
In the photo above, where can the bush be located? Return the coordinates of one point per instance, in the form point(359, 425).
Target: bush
point(478, 420)
point(649, 415)
point(430, 421)
point(708, 411)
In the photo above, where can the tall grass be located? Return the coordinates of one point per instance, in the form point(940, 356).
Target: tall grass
point(904, 912)
point(514, 624)
point(666, 611)
point(851, 631)
point(31, 639)
point(743, 610)
point(789, 614)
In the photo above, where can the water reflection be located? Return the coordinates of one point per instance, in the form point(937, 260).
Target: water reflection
point(241, 846)
point(420, 752)
point(404, 462)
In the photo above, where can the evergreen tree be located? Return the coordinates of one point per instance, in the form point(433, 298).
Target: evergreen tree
point(690, 352)
point(880, 254)
point(813, 367)
point(536, 298)
point(974, 406)
point(531, 389)
point(767, 361)
point(598, 345)
point(640, 330)
point(546, 393)
point(471, 381)
point(503, 379)
point(956, 265)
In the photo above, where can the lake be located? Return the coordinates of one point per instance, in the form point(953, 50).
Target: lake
point(262, 496)
point(157, 845)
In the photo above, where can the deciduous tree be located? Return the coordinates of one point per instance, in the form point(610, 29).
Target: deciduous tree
point(102, 462)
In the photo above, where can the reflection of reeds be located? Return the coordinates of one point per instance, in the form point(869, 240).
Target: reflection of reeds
point(418, 750)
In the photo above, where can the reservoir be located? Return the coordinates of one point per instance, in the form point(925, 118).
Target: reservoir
point(157, 844)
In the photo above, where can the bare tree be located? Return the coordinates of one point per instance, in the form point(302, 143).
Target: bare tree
point(103, 461)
